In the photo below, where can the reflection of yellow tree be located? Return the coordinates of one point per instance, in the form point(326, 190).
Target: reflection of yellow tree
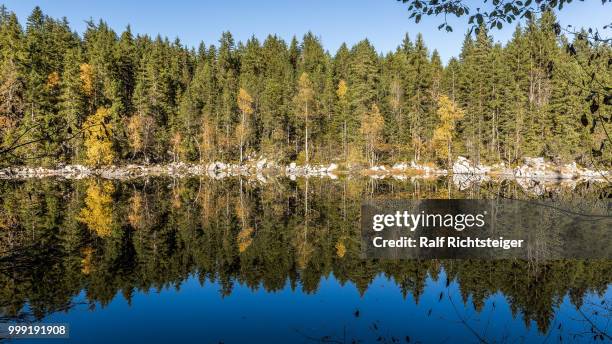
point(242, 212)
point(207, 204)
point(135, 217)
point(303, 247)
point(176, 197)
point(7, 220)
point(177, 146)
point(98, 211)
point(340, 249)
point(87, 254)
point(244, 238)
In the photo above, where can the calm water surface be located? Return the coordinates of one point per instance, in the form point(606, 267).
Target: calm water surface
point(199, 260)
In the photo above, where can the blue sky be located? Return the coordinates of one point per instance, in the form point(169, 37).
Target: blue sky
point(383, 22)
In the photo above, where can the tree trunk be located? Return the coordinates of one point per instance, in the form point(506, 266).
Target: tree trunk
point(344, 141)
point(306, 134)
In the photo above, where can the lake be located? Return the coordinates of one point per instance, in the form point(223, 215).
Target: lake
point(239, 260)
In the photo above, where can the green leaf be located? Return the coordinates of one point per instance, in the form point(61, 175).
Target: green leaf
point(479, 19)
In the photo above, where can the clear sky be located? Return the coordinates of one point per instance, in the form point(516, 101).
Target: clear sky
point(383, 22)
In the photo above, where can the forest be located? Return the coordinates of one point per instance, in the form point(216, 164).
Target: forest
point(112, 239)
point(111, 98)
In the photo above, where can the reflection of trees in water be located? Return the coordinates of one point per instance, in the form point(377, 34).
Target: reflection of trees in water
point(107, 238)
point(98, 209)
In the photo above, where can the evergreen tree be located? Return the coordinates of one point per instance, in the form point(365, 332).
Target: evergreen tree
point(227, 70)
point(73, 107)
point(362, 88)
point(159, 101)
point(420, 105)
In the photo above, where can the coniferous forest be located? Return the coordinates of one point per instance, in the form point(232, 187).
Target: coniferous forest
point(110, 98)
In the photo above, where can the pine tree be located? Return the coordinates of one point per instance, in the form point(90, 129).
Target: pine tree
point(397, 79)
point(227, 78)
point(275, 105)
point(157, 100)
point(514, 112)
point(362, 87)
point(12, 87)
point(73, 101)
point(314, 62)
point(542, 47)
point(420, 106)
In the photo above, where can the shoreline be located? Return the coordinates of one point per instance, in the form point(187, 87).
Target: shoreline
point(532, 169)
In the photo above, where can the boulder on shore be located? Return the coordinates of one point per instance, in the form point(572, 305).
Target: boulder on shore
point(464, 166)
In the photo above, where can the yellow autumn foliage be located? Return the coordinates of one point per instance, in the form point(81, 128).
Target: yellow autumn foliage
point(87, 78)
point(245, 102)
point(340, 249)
point(241, 131)
point(98, 211)
point(244, 238)
point(241, 211)
point(6, 123)
point(98, 143)
point(372, 124)
point(342, 89)
point(176, 142)
point(448, 114)
point(86, 267)
point(7, 221)
point(135, 213)
point(177, 201)
point(53, 80)
point(134, 133)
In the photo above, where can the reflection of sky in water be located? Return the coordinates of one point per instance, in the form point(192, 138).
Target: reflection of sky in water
point(193, 312)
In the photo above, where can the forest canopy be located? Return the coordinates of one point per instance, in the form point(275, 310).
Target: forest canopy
point(107, 97)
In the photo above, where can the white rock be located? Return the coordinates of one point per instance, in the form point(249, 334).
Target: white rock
point(261, 164)
point(400, 166)
point(535, 162)
point(332, 176)
point(462, 166)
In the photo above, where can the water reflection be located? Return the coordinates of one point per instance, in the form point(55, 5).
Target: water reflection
point(65, 242)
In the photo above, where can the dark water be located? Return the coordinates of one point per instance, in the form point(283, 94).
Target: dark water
point(190, 260)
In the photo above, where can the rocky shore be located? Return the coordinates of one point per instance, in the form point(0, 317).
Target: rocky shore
point(532, 168)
